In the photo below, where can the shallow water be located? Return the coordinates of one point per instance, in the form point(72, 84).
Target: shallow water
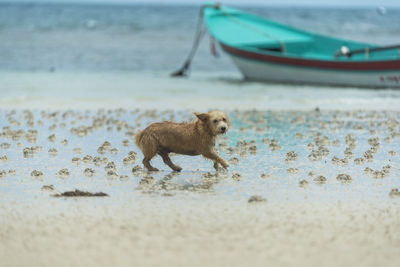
point(247, 146)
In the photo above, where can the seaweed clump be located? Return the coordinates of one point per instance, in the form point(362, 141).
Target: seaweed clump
point(79, 193)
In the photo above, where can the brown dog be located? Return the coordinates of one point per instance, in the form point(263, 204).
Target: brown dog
point(187, 138)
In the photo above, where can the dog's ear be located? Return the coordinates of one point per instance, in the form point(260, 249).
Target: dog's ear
point(202, 116)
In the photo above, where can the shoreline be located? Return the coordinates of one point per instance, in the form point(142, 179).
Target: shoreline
point(200, 91)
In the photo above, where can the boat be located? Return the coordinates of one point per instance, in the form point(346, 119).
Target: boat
point(265, 50)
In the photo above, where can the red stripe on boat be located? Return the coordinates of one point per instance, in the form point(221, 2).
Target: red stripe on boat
point(340, 65)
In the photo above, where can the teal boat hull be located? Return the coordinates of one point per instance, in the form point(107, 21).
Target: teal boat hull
point(268, 51)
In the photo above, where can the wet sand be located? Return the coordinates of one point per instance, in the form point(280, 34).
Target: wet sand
point(304, 188)
point(166, 232)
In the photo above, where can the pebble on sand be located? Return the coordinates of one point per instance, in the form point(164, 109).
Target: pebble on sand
point(344, 178)
point(89, 172)
point(291, 156)
point(233, 160)
point(303, 183)
point(76, 160)
point(3, 173)
point(63, 173)
point(87, 159)
point(48, 187)
point(53, 152)
point(292, 170)
point(256, 199)
point(64, 142)
point(320, 179)
point(236, 176)
point(265, 175)
point(136, 169)
point(395, 192)
point(112, 174)
point(52, 138)
point(125, 142)
point(36, 174)
point(5, 145)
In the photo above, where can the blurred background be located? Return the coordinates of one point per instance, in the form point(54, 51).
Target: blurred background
point(131, 35)
point(104, 53)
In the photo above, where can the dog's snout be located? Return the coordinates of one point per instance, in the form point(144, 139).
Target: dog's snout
point(223, 128)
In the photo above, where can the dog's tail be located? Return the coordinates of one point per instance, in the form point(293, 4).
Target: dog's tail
point(138, 139)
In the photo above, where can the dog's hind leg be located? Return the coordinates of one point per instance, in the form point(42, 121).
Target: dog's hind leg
point(167, 160)
point(146, 163)
point(149, 150)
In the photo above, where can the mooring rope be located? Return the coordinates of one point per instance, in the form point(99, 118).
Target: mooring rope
point(200, 31)
point(197, 38)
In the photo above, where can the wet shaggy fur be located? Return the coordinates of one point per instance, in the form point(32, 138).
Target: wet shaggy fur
point(187, 138)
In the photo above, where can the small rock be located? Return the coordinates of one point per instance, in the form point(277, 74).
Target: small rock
point(53, 152)
point(236, 176)
point(394, 193)
point(5, 145)
point(344, 177)
point(125, 142)
point(291, 156)
point(292, 170)
point(320, 179)
point(368, 170)
point(234, 160)
point(89, 172)
point(265, 175)
point(76, 160)
point(112, 174)
point(36, 174)
point(136, 169)
point(256, 199)
point(303, 183)
point(64, 142)
point(63, 173)
point(52, 138)
point(48, 187)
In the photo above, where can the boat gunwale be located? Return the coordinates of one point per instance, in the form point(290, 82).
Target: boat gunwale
point(372, 65)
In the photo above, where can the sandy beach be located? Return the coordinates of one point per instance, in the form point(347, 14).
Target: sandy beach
point(324, 193)
point(163, 231)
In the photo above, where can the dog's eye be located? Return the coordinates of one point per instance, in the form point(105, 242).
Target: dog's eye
point(223, 119)
point(215, 121)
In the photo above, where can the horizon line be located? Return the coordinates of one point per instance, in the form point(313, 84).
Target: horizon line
point(182, 3)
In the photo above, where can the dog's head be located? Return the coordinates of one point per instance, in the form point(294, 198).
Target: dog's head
point(216, 121)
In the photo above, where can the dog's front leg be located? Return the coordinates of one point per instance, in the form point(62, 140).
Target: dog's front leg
point(213, 155)
point(216, 167)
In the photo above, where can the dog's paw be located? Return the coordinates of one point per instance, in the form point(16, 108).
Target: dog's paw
point(177, 169)
point(225, 165)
